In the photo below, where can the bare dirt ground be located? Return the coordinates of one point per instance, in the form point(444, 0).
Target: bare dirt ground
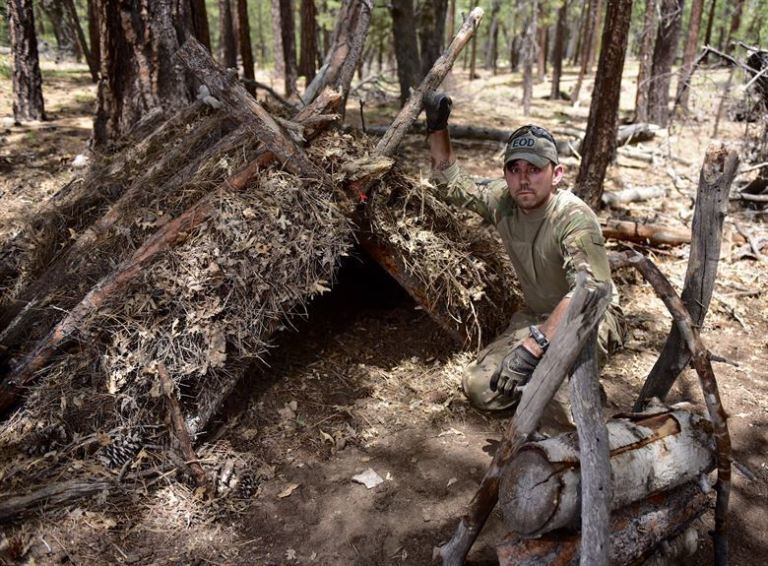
point(368, 381)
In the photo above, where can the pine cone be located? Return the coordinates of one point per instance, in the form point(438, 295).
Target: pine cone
point(44, 440)
point(121, 450)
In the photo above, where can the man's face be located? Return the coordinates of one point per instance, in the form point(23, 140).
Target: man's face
point(531, 187)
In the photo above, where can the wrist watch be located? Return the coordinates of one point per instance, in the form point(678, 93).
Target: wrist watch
point(538, 337)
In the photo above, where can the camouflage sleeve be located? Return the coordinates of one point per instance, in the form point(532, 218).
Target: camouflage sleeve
point(582, 245)
point(461, 190)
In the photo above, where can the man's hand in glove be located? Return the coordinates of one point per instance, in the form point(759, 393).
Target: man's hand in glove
point(438, 108)
point(515, 370)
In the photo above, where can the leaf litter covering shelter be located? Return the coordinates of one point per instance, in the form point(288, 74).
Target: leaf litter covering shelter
point(205, 309)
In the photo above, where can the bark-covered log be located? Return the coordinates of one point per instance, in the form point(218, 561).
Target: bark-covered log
point(651, 234)
point(636, 531)
point(717, 174)
point(55, 493)
point(584, 312)
point(541, 487)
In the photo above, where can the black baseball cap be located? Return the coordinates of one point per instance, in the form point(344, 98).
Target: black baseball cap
point(533, 144)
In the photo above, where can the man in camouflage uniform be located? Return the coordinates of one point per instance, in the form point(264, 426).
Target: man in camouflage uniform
point(549, 234)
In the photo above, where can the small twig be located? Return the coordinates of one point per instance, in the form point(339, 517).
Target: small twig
point(753, 167)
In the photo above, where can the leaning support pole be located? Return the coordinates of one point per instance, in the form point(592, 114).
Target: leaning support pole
point(586, 308)
point(717, 174)
point(594, 457)
point(701, 362)
point(394, 135)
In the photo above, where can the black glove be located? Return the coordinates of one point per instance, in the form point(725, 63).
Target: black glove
point(513, 371)
point(438, 107)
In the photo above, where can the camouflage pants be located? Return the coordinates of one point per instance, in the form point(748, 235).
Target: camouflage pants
point(477, 375)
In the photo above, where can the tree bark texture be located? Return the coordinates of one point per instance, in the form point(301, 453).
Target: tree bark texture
point(599, 145)
point(543, 488)
point(717, 174)
point(558, 51)
point(138, 73)
point(650, 25)
point(590, 29)
point(227, 45)
point(691, 46)
point(308, 56)
point(200, 27)
point(27, 80)
point(664, 54)
point(406, 47)
point(431, 32)
point(244, 42)
point(584, 312)
point(636, 531)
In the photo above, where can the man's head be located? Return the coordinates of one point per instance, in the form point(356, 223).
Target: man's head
point(531, 167)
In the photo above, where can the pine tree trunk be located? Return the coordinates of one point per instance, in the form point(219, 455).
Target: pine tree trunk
point(244, 42)
point(473, 51)
point(62, 31)
point(581, 31)
point(710, 24)
point(663, 56)
point(599, 145)
point(733, 28)
point(200, 28)
point(27, 80)
point(529, 53)
point(308, 55)
point(260, 40)
point(74, 20)
point(586, 47)
point(138, 71)
point(557, 54)
point(541, 53)
point(227, 47)
point(646, 62)
point(691, 45)
point(493, 36)
point(406, 47)
point(431, 32)
point(595, 47)
point(93, 33)
point(277, 41)
point(451, 20)
point(288, 41)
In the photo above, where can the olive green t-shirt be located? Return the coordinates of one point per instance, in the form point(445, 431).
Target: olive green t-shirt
point(547, 246)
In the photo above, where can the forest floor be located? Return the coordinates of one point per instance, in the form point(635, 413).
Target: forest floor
point(369, 381)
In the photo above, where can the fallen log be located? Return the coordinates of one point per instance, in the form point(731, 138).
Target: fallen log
point(541, 487)
point(586, 308)
point(636, 531)
point(651, 234)
point(633, 195)
point(717, 174)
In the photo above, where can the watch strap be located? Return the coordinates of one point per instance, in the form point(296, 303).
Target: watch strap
point(538, 337)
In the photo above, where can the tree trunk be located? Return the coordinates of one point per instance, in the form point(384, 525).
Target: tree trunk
point(528, 55)
point(27, 80)
point(636, 531)
point(93, 34)
point(451, 19)
point(431, 32)
point(308, 55)
point(599, 145)
point(491, 42)
point(557, 55)
point(138, 74)
point(288, 42)
point(93, 68)
point(277, 41)
point(244, 35)
point(595, 47)
point(586, 47)
point(541, 488)
point(200, 28)
point(227, 46)
point(541, 53)
point(406, 47)
point(646, 61)
point(733, 28)
point(66, 39)
point(710, 24)
point(663, 56)
point(579, 33)
point(473, 52)
point(691, 45)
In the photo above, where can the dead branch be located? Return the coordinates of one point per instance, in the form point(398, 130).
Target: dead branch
point(388, 144)
point(586, 308)
point(717, 174)
point(596, 485)
point(701, 363)
point(180, 431)
point(633, 195)
point(270, 91)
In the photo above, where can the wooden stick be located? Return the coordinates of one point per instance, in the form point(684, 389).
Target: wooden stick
point(594, 457)
point(180, 431)
point(394, 135)
point(586, 308)
point(652, 234)
point(717, 174)
point(703, 367)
